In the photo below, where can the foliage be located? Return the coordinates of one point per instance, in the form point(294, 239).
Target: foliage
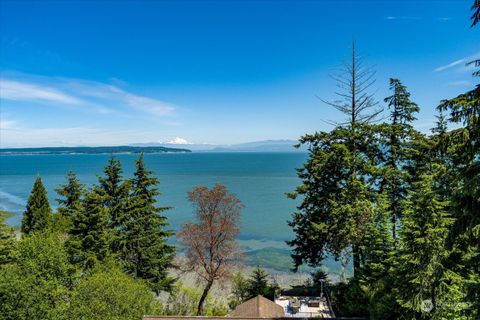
point(210, 242)
point(7, 240)
point(38, 214)
point(38, 283)
point(71, 202)
point(337, 178)
point(403, 204)
point(423, 272)
point(109, 294)
point(240, 292)
point(398, 135)
point(90, 236)
point(183, 301)
point(258, 283)
point(146, 254)
point(115, 195)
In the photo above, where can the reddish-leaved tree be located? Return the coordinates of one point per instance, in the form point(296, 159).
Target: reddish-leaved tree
point(210, 241)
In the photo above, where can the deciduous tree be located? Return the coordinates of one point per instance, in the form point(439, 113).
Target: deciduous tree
point(210, 241)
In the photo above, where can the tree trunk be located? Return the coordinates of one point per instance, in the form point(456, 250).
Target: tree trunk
point(204, 297)
point(356, 261)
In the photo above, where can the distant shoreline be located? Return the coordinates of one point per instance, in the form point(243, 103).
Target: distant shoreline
point(90, 150)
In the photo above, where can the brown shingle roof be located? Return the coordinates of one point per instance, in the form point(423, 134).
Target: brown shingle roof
point(258, 307)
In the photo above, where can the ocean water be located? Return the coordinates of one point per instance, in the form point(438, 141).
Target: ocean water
point(260, 181)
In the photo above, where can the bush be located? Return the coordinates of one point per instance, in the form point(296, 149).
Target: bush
point(183, 301)
point(108, 293)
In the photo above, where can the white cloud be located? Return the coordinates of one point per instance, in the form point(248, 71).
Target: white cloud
point(402, 18)
point(15, 135)
point(450, 65)
point(19, 91)
point(7, 124)
point(461, 64)
point(178, 140)
point(145, 104)
point(93, 96)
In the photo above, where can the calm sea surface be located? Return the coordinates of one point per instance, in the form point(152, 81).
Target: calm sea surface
point(259, 180)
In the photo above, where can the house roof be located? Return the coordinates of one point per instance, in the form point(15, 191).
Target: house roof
point(258, 307)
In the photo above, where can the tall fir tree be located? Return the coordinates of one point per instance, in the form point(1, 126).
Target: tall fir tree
point(115, 194)
point(7, 239)
point(464, 154)
point(463, 151)
point(71, 202)
point(258, 284)
point(399, 132)
point(337, 183)
point(90, 235)
point(146, 253)
point(376, 280)
point(427, 287)
point(38, 214)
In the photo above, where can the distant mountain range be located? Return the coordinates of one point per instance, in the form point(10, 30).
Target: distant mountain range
point(92, 150)
point(257, 146)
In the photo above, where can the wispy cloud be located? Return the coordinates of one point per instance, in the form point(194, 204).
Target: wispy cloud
point(461, 64)
point(145, 104)
point(7, 124)
point(450, 65)
point(20, 91)
point(90, 95)
point(402, 18)
point(14, 134)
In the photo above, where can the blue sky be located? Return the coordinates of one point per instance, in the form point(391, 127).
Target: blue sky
point(220, 72)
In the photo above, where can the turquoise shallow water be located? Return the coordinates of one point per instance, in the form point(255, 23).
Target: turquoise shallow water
point(260, 181)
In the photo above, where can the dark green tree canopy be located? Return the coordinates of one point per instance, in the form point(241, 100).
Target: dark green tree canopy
point(115, 192)
point(38, 214)
point(146, 254)
point(90, 235)
point(71, 193)
point(7, 239)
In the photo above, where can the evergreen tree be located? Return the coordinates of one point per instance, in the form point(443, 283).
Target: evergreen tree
point(114, 191)
point(38, 214)
point(398, 132)
point(146, 254)
point(427, 287)
point(258, 284)
point(72, 193)
point(7, 240)
point(376, 280)
point(463, 146)
point(337, 179)
point(476, 12)
point(90, 235)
